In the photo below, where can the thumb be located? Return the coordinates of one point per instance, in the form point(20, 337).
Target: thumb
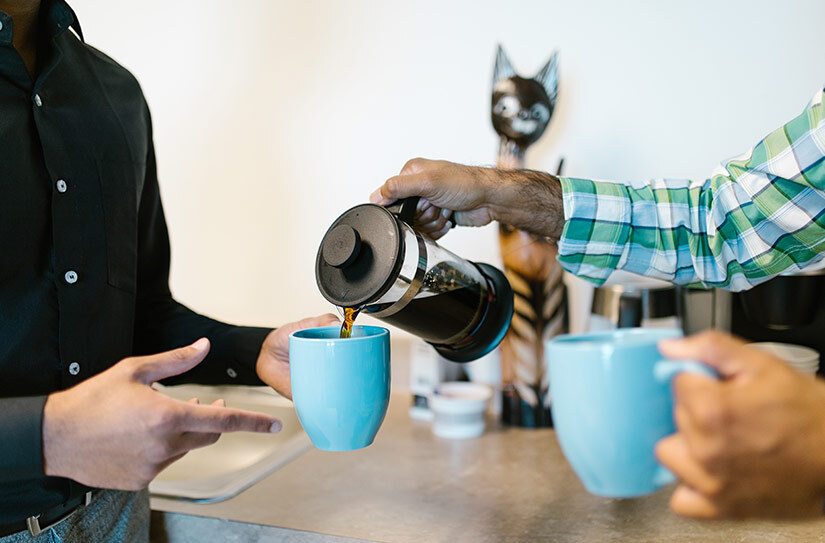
point(148, 369)
point(720, 351)
point(403, 186)
point(327, 319)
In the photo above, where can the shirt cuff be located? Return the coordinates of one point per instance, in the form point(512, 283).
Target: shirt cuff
point(597, 218)
point(238, 349)
point(21, 445)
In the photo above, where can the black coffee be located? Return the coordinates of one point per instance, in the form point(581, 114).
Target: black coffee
point(438, 317)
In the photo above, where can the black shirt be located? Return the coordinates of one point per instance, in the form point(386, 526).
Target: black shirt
point(84, 250)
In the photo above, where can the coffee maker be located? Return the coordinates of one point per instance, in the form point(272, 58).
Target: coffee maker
point(630, 301)
point(786, 309)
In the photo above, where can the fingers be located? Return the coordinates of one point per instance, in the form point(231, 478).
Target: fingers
point(721, 351)
point(438, 234)
point(674, 454)
point(690, 503)
point(328, 319)
point(188, 441)
point(148, 369)
point(426, 212)
point(432, 220)
point(214, 419)
point(691, 387)
point(403, 186)
point(702, 413)
point(195, 440)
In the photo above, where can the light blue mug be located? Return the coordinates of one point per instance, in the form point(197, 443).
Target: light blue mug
point(611, 403)
point(340, 386)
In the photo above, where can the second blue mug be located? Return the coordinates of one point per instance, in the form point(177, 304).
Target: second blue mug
point(611, 403)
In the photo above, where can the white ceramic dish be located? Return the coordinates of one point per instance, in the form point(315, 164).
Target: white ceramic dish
point(239, 459)
point(459, 409)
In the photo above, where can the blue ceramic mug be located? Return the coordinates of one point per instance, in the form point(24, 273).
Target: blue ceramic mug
point(340, 386)
point(611, 403)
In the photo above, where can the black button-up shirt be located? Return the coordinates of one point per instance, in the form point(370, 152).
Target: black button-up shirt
point(84, 250)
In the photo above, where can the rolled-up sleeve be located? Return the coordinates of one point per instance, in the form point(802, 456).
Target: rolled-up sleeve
point(758, 215)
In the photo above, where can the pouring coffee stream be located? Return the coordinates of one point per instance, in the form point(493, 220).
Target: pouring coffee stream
point(349, 318)
point(372, 260)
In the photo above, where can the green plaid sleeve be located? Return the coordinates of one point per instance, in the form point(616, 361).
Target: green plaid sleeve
point(758, 215)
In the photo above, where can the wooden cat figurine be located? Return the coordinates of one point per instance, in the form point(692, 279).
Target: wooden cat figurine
point(521, 111)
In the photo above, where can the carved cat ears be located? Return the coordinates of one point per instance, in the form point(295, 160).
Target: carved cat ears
point(548, 76)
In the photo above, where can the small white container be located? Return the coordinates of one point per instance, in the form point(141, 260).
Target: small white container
point(459, 409)
point(801, 358)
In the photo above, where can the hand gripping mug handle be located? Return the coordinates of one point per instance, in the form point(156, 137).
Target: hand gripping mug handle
point(664, 371)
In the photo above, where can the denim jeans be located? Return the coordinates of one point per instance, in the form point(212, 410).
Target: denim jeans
point(113, 516)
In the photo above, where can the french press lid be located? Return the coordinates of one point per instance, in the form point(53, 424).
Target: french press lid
point(360, 256)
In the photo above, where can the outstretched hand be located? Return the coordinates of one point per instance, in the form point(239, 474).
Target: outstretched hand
point(114, 431)
point(751, 444)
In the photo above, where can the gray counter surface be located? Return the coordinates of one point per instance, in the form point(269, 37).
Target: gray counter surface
point(508, 485)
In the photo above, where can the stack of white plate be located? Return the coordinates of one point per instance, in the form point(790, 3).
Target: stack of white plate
point(804, 359)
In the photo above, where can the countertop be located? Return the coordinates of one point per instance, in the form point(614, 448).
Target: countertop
point(508, 485)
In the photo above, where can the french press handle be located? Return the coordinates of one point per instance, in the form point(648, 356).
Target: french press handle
point(404, 209)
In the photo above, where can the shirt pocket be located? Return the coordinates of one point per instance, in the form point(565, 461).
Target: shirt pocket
point(121, 182)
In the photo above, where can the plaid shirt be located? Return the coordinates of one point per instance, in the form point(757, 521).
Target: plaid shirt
point(760, 214)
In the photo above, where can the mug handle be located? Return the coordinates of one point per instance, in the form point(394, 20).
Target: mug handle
point(664, 371)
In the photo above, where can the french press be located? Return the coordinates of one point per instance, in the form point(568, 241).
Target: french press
point(372, 257)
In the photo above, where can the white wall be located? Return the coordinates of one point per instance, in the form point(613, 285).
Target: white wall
point(273, 117)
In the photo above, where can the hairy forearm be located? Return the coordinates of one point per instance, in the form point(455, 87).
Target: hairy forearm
point(527, 199)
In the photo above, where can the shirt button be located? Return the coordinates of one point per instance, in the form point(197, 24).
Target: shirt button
point(232, 373)
point(61, 186)
point(71, 277)
point(74, 368)
point(37, 101)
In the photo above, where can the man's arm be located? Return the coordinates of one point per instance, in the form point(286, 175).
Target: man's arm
point(759, 215)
